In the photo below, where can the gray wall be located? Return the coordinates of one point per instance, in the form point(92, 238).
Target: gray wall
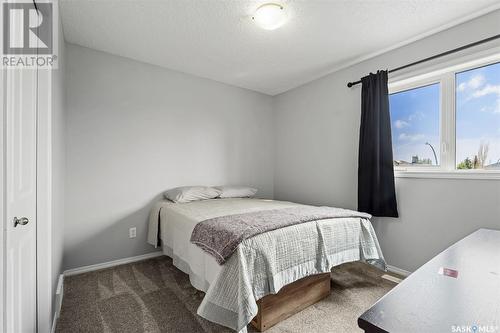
point(316, 146)
point(135, 130)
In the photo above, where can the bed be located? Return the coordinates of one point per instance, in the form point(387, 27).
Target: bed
point(260, 265)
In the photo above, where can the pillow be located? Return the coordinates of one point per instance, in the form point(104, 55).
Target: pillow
point(236, 191)
point(191, 193)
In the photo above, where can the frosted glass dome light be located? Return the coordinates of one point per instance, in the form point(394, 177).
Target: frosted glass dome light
point(270, 16)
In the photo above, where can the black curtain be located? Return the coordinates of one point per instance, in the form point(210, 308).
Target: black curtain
point(376, 192)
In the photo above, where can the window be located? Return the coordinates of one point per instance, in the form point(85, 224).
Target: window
point(478, 118)
point(415, 126)
point(447, 122)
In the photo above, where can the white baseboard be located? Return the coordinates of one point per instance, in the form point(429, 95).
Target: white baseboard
point(90, 268)
point(59, 294)
point(391, 278)
point(59, 299)
point(396, 270)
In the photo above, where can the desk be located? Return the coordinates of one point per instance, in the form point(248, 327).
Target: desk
point(432, 299)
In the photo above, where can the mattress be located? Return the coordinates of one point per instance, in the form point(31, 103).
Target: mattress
point(177, 222)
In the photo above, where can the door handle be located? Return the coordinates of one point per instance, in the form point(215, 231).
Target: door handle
point(20, 220)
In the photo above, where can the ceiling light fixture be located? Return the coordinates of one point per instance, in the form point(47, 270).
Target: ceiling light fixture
point(270, 16)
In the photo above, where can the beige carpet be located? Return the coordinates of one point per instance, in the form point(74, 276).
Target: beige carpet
point(154, 296)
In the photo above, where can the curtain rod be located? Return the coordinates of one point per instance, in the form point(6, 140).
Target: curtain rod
point(482, 41)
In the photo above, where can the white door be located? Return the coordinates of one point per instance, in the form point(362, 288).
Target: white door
point(20, 103)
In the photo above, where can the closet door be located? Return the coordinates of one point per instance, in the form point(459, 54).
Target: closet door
point(20, 128)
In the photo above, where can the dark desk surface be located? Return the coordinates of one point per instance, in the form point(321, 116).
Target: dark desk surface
point(428, 301)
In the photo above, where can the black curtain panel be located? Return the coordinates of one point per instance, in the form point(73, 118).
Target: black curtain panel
point(376, 192)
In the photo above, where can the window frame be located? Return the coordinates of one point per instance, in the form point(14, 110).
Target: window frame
point(444, 74)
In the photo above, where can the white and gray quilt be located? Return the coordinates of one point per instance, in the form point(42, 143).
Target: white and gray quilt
point(220, 236)
point(264, 263)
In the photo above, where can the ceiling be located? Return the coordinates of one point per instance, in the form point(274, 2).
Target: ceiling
point(217, 39)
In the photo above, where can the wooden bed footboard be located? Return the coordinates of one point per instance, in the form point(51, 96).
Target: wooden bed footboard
point(291, 299)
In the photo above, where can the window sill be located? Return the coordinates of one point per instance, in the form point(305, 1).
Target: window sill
point(442, 174)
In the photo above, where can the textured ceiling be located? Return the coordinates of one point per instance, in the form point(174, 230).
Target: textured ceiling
point(217, 39)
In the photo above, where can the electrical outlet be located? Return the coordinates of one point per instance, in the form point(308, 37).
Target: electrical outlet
point(132, 232)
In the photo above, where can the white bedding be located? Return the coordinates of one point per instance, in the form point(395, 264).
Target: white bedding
point(177, 222)
point(262, 264)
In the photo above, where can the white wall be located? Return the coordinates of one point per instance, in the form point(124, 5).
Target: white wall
point(51, 127)
point(135, 130)
point(58, 164)
point(50, 185)
point(316, 147)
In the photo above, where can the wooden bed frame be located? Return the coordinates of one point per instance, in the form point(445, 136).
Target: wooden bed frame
point(291, 299)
